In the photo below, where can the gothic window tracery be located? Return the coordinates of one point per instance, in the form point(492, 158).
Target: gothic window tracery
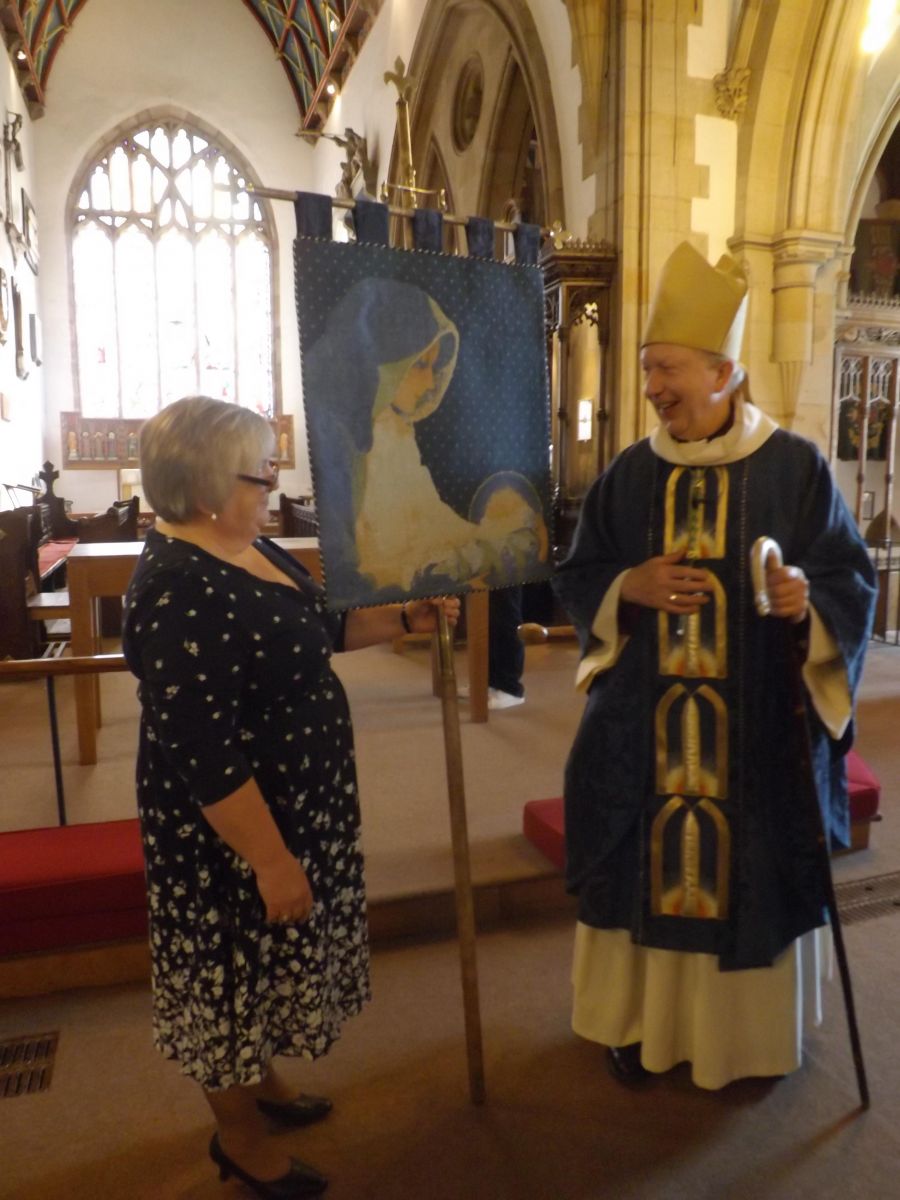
point(172, 276)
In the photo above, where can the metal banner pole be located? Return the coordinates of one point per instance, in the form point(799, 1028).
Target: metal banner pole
point(465, 909)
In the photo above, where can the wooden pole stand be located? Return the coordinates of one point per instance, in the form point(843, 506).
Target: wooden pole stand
point(465, 909)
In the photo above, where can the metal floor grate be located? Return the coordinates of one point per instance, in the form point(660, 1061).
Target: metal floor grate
point(862, 899)
point(26, 1064)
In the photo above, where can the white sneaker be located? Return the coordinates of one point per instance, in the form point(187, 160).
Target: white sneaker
point(498, 699)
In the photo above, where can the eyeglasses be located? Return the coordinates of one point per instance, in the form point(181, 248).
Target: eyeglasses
point(269, 484)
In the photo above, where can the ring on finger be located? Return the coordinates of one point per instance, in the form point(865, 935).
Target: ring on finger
point(674, 596)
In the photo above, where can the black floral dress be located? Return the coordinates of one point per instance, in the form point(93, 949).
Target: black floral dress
point(235, 681)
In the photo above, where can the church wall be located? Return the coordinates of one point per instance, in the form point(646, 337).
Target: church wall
point(676, 174)
point(474, 31)
point(658, 160)
point(20, 417)
point(663, 164)
point(555, 32)
point(123, 57)
point(445, 34)
point(819, 107)
point(869, 133)
point(367, 104)
point(774, 178)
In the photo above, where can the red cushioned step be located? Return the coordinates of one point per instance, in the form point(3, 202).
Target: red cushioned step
point(543, 821)
point(543, 825)
point(71, 885)
point(864, 788)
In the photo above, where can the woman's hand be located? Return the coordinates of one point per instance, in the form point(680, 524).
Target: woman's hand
point(244, 822)
point(788, 590)
point(667, 583)
point(423, 615)
point(284, 890)
point(367, 626)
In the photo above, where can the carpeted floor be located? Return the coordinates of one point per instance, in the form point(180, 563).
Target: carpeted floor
point(119, 1122)
point(517, 756)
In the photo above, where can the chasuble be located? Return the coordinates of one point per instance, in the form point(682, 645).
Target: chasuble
point(684, 820)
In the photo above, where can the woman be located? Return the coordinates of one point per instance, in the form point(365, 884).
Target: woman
point(383, 364)
point(246, 786)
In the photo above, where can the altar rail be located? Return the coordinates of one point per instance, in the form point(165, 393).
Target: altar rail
point(886, 560)
point(48, 669)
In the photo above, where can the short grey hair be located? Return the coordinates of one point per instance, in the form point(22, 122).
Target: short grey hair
point(192, 450)
point(738, 375)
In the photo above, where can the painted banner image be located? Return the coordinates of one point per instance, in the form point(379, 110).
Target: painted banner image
point(425, 392)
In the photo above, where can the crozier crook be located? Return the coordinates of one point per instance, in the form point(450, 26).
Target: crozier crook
point(763, 549)
point(766, 552)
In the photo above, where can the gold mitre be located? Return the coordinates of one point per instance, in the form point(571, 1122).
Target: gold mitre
point(698, 305)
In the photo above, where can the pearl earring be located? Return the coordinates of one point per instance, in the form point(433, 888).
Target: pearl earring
point(214, 516)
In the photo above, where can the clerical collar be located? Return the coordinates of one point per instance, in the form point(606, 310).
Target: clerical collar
point(748, 429)
point(720, 432)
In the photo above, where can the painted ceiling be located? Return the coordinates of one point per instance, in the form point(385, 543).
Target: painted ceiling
point(308, 36)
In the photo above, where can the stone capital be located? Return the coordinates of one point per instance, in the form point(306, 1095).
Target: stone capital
point(806, 246)
point(798, 257)
point(732, 91)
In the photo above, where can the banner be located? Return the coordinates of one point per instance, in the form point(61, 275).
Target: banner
point(426, 397)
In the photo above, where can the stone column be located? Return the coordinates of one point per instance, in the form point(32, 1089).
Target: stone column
point(798, 259)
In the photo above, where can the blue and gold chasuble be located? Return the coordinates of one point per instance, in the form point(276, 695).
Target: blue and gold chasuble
point(686, 821)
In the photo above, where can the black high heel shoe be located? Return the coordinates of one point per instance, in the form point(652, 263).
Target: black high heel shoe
point(300, 1180)
point(293, 1114)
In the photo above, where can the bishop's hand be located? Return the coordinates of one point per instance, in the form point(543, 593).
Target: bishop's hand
point(788, 590)
point(668, 583)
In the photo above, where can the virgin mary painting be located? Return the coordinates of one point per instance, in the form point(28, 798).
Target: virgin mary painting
point(381, 367)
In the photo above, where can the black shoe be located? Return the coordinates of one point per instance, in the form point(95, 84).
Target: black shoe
point(305, 1110)
point(624, 1063)
point(300, 1180)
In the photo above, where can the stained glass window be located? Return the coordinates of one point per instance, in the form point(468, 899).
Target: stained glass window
point(172, 269)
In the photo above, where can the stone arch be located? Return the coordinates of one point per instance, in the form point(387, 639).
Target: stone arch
point(436, 177)
point(814, 105)
point(818, 108)
point(443, 23)
point(868, 166)
point(508, 147)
